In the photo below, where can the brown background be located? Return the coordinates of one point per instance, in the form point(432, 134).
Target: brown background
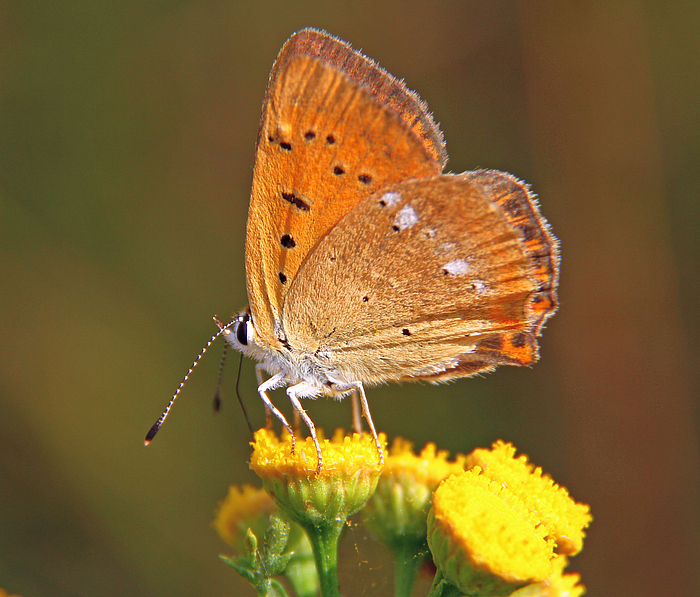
point(126, 147)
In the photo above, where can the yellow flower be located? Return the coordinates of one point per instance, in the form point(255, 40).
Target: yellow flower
point(429, 468)
point(565, 519)
point(4, 593)
point(483, 537)
point(244, 508)
point(320, 501)
point(397, 513)
point(342, 487)
point(493, 529)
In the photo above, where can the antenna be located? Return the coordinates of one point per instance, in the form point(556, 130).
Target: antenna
point(156, 426)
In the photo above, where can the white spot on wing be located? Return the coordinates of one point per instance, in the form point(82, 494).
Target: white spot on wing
point(391, 198)
point(458, 267)
point(479, 286)
point(406, 217)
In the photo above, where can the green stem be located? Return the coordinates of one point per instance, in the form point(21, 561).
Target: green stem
point(324, 542)
point(407, 562)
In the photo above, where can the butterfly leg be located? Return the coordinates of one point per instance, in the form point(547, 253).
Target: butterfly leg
point(304, 388)
point(356, 416)
point(297, 422)
point(259, 368)
point(358, 387)
point(263, 388)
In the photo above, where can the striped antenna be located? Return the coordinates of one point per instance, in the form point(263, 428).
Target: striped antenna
point(156, 426)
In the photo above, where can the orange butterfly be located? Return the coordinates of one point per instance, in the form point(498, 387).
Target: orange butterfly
point(365, 264)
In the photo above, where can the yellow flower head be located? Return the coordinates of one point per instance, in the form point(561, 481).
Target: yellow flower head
point(564, 518)
point(342, 487)
point(494, 529)
point(481, 535)
point(397, 513)
point(244, 508)
point(4, 593)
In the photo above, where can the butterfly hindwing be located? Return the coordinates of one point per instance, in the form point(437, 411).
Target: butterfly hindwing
point(428, 278)
point(519, 207)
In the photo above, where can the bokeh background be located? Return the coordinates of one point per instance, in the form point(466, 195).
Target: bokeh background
point(127, 132)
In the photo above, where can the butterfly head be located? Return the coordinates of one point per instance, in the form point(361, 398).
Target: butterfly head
point(242, 335)
point(242, 332)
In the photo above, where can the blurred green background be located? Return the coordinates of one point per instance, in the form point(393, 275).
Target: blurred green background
point(127, 132)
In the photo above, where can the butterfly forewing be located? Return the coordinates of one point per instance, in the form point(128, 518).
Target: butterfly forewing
point(428, 276)
point(325, 143)
point(364, 71)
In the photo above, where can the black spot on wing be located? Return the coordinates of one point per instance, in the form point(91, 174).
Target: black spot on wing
point(297, 202)
point(288, 242)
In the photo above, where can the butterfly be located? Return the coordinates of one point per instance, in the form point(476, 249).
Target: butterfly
point(365, 263)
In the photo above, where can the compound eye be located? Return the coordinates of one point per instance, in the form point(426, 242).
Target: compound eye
point(242, 329)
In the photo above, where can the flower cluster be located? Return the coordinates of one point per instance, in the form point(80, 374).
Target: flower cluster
point(493, 523)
